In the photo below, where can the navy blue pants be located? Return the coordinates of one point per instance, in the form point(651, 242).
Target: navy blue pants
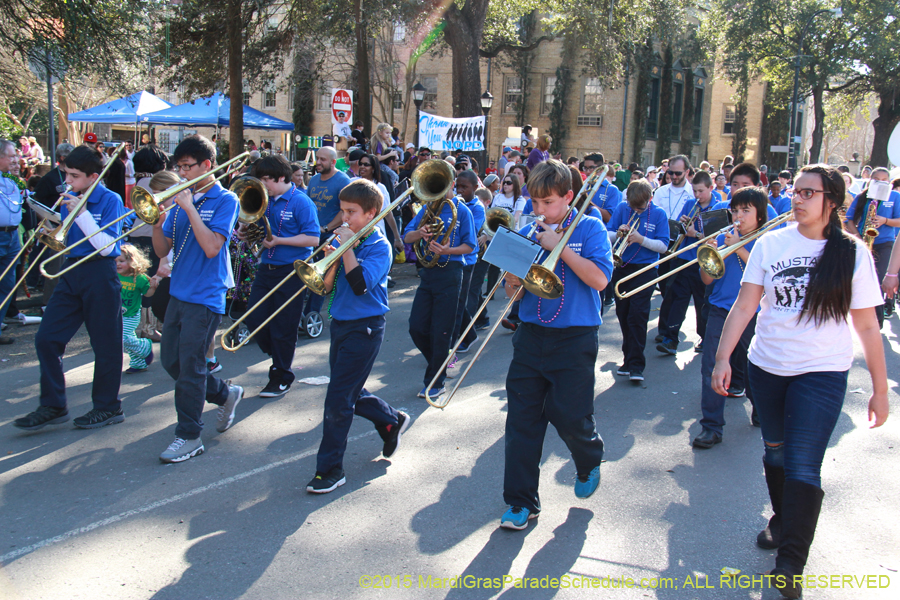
point(278, 339)
point(462, 314)
point(89, 294)
point(9, 247)
point(433, 316)
point(550, 380)
point(315, 301)
point(686, 284)
point(476, 289)
point(188, 330)
point(798, 414)
point(354, 346)
point(711, 403)
point(633, 314)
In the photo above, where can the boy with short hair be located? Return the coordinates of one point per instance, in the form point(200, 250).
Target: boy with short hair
point(90, 294)
point(295, 231)
point(197, 229)
point(470, 290)
point(544, 384)
point(357, 288)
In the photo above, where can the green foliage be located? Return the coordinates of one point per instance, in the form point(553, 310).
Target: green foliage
point(8, 129)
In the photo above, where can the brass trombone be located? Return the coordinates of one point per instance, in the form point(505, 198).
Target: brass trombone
point(146, 207)
point(618, 249)
point(253, 199)
point(431, 218)
point(495, 218)
point(712, 260)
point(429, 182)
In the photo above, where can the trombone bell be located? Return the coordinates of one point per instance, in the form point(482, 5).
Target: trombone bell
point(711, 261)
point(312, 275)
point(543, 283)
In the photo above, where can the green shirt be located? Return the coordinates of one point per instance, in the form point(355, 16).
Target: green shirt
point(132, 289)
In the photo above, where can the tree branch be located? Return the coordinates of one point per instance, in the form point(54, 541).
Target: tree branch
point(513, 47)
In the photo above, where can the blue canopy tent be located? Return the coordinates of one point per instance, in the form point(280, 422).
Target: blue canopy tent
point(213, 111)
point(124, 111)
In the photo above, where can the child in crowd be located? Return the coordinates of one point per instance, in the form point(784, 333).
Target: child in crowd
point(357, 288)
point(132, 265)
point(470, 291)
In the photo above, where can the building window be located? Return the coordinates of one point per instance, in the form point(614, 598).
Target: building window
point(512, 95)
point(677, 106)
point(323, 103)
point(246, 98)
point(653, 108)
point(398, 102)
point(431, 93)
point(271, 99)
point(547, 103)
point(728, 123)
point(291, 91)
point(698, 114)
point(399, 33)
point(592, 97)
point(164, 139)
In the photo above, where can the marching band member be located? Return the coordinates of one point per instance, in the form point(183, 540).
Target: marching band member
point(649, 239)
point(814, 277)
point(671, 198)
point(545, 385)
point(470, 290)
point(197, 229)
point(358, 301)
point(295, 231)
point(90, 294)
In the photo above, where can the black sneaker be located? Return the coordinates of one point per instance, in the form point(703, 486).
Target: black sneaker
point(482, 326)
point(44, 415)
point(658, 339)
point(668, 346)
point(623, 371)
point(636, 376)
point(392, 434)
point(323, 483)
point(736, 392)
point(96, 418)
point(888, 311)
point(698, 347)
point(275, 389)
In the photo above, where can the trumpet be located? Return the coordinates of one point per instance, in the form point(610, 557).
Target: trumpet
point(622, 242)
point(146, 206)
point(430, 182)
point(712, 260)
point(444, 401)
point(431, 218)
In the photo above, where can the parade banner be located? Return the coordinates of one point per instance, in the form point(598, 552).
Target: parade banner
point(445, 133)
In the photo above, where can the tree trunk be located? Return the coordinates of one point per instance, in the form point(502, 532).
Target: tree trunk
point(235, 79)
point(463, 34)
point(818, 132)
point(884, 123)
point(686, 145)
point(364, 88)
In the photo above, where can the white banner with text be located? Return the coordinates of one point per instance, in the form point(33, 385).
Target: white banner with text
point(445, 133)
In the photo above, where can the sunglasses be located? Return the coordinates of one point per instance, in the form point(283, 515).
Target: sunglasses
point(507, 183)
point(675, 173)
point(362, 164)
point(807, 193)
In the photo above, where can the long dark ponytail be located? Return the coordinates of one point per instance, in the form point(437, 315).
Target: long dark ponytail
point(830, 286)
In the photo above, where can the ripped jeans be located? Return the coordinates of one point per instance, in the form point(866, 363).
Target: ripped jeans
point(798, 414)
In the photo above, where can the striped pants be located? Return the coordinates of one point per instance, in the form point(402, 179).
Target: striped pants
point(137, 348)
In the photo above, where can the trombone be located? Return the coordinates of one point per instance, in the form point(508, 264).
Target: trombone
point(430, 181)
point(253, 199)
point(146, 206)
point(538, 279)
point(712, 260)
point(618, 249)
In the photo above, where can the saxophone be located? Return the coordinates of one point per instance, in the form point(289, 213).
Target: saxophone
point(869, 230)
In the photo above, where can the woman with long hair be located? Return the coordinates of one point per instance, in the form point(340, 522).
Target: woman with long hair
point(817, 280)
point(371, 170)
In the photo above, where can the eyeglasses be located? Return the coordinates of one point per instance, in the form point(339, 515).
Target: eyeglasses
point(807, 193)
point(185, 167)
point(362, 164)
point(675, 173)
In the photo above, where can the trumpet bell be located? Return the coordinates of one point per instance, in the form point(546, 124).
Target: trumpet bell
point(311, 275)
point(543, 283)
point(711, 261)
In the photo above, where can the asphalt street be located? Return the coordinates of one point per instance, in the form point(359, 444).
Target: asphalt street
point(95, 515)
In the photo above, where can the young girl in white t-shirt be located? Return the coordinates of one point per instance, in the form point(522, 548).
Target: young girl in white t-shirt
point(510, 196)
point(814, 276)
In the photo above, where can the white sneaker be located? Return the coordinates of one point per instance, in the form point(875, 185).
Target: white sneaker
point(226, 411)
point(180, 450)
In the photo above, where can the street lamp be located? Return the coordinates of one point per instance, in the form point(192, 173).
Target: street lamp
point(792, 137)
point(418, 93)
point(487, 101)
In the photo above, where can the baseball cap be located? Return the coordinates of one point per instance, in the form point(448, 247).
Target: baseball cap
point(90, 138)
point(489, 180)
point(507, 149)
point(408, 146)
point(355, 155)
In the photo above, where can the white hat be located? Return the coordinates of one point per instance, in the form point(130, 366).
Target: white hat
point(408, 146)
point(651, 168)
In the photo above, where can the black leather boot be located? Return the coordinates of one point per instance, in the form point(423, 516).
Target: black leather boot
point(770, 537)
point(800, 508)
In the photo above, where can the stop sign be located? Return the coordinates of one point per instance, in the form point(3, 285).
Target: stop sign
point(341, 102)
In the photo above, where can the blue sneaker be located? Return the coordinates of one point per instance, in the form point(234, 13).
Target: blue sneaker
point(517, 518)
point(587, 485)
point(434, 394)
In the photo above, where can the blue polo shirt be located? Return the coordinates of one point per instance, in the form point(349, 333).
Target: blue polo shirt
point(289, 215)
point(196, 278)
point(654, 224)
point(725, 290)
point(580, 304)
point(463, 233)
point(608, 197)
point(698, 225)
point(889, 209)
point(11, 200)
point(718, 196)
point(324, 194)
point(770, 210)
point(782, 204)
point(104, 206)
point(375, 257)
point(478, 216)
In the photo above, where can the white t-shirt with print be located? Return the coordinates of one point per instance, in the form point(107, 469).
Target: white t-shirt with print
point(504, 201)
point(781, 261)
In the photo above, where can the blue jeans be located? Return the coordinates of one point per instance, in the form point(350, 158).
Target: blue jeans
point(798, 414)
point(354, 346)
point(711, 403)
point(9, 247)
